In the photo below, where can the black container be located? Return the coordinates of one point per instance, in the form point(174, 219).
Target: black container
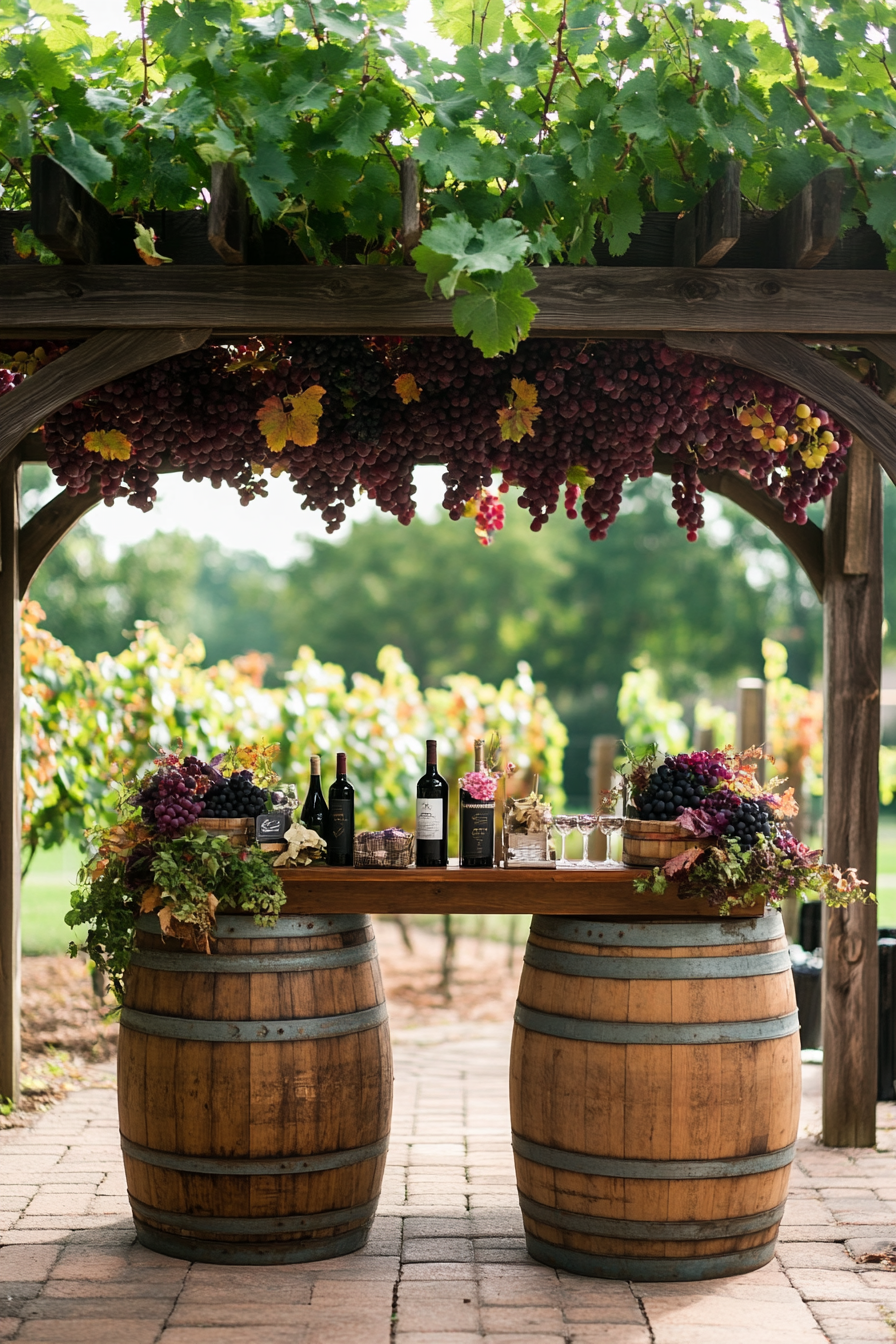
point(809, 936)
point(886, 1018)
point(807, 983)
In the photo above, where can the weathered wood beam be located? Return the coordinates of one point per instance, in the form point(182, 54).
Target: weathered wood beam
point(853, 617)
point(72, 223)
point(102, 359)
point(228, 215)
point(47, 528)
point(855, 405)
point(10, 768)
point(706, 233)
point(806, 229)
point(576, 301)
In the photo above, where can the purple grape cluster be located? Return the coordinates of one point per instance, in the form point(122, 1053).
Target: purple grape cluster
point(698, 782)
point(605, 409)
point(172, 798)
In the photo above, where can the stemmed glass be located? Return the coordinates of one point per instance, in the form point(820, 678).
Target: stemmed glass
point(610, 826)
point(585, 823)
point(565, 825)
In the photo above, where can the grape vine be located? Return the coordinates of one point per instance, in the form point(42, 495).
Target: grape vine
point(555, 417)
point(544, 134)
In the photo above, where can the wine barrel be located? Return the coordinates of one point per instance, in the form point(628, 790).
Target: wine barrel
point(255, 1090)
point(654, 1095)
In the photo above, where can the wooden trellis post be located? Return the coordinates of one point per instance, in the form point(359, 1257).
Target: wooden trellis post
point(10, 763)
point(853, 617)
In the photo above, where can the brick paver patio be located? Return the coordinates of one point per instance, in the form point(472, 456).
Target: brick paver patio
point(446, 1263)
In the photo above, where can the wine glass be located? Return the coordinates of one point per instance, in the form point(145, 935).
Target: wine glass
point(610, 826)
point(585, 823)
point(565, 825)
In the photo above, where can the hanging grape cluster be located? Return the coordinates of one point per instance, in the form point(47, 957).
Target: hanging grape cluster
point(557, 417)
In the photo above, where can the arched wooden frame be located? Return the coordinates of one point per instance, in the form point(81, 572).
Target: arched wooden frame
point(843, 563)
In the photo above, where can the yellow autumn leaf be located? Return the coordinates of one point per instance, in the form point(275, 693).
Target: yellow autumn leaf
point(518, 417)
point(297, 425)
point(109, 443)
point(406, 387)
point(151, 900)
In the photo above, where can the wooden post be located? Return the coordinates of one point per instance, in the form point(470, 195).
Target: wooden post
point(600, 774)
point(751, 716)
point(853, 615)
point(10, 811)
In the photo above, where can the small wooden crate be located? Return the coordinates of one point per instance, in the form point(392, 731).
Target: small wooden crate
point(238, 828)
point(645, 844)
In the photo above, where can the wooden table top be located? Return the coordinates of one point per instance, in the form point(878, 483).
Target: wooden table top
point(601, 893)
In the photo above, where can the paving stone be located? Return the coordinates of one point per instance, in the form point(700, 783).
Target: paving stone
point(814, 1255)
point(437, 1250)
point(99, 1330)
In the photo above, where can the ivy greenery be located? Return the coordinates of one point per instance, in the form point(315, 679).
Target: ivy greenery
point(555, 126)
point(181, 879)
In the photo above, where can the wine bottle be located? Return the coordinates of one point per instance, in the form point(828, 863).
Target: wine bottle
point(341, 831)
point(315, 814)
point(432, 814)
point(477, 821)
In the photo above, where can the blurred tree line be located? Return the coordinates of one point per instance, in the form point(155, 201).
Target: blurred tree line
point(579, 612)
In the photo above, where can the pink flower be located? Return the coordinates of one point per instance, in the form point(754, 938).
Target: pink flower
point(479, 784)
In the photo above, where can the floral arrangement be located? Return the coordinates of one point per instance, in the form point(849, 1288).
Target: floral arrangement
point(483, 784)
point(743, 853)
point(157, 860)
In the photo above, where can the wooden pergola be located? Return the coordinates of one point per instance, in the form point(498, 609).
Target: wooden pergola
point(788, 282)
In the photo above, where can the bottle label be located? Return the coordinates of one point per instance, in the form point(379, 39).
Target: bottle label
point(429, 819)
point(342, 825)
point(477, 821)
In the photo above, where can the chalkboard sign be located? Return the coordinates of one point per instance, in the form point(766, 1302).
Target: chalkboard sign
point(271, 826)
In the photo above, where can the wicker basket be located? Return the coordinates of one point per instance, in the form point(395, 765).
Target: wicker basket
point(238, 828)
point(374, 849)
point(645, 844)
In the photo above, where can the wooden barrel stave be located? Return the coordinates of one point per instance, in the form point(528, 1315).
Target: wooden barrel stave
point(615, 1105)
point(256, 1150)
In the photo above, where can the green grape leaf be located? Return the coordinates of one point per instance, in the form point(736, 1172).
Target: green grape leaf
point(223, 147)
point(623, 45)
point(638, 111)
point(79, 158)
point(624, 218)
point(48, 69)
point(434, 265)
point(270, 25)
point(882, 213)
point(265, 177)
point(330, 183)
point(498, 318)
point(463, 22)
point(355, 122)
point(497, 246)
point(441, 152)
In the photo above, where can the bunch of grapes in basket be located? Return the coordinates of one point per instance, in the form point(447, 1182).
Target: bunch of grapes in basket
point(172, 798)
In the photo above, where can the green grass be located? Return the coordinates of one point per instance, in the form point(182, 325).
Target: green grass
point(46, 896)
point(47, 889)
